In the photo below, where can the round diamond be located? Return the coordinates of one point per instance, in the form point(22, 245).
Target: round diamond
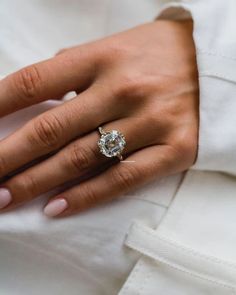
point(111, 143)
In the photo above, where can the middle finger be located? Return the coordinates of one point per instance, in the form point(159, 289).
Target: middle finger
point(53, 129)
point(77, 159)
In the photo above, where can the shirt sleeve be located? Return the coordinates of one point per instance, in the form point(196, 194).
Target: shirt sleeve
point(215, 42)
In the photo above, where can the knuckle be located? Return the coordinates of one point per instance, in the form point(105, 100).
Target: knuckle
point(186, 149)
point(134, 87)
point(152, 121)
point(128, 85)
point(89, 197)
point(28, 82)
point(79, 158)
point(125, 178)
point(25, 184)
point(114, 51)
point(47, 131)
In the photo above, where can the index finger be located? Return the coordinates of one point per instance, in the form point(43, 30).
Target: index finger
point(45, 80)
point(55, 128)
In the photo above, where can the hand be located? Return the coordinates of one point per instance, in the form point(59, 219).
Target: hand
point(142, 82)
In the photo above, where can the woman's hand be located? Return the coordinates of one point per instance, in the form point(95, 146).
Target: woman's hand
point(142, 82)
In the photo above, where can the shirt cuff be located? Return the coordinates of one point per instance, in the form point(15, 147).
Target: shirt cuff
point(215, 43)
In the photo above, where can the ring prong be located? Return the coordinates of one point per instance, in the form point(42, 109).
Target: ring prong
point(101, 131)
point(119, 156)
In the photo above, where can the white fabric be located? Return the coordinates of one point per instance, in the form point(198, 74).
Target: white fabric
point(192, 251)
point(188, 249)
point(215, 39)
point(84, 254)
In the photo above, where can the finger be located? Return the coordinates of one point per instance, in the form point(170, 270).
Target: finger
point(144, 165)
point(53, 129)
point(78, 159)
point(49, 79)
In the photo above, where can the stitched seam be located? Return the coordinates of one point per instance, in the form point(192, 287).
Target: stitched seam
point(174, 243)
point(184, 270)
point(132, 278)
point(144, 282)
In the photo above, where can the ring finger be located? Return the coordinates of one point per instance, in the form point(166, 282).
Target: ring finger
point(75, 160)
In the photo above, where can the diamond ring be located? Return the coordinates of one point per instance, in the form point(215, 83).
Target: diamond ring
point(111, 143)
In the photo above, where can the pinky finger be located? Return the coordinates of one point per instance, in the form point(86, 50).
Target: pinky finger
point(138, 169)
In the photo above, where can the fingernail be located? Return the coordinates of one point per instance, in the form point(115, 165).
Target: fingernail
point(5, 197)
point(55, 207)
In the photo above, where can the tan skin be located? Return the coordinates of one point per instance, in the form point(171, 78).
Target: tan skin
point(142, 82)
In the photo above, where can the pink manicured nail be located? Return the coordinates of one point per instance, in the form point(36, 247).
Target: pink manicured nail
point(55, 207)
point(5, 197)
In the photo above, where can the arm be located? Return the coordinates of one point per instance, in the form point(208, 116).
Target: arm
point(194, 245)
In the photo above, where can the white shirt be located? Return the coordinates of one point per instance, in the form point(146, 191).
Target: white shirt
point(187, 249)
point(192, 251)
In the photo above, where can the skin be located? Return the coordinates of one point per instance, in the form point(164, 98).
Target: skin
point(142, 82)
